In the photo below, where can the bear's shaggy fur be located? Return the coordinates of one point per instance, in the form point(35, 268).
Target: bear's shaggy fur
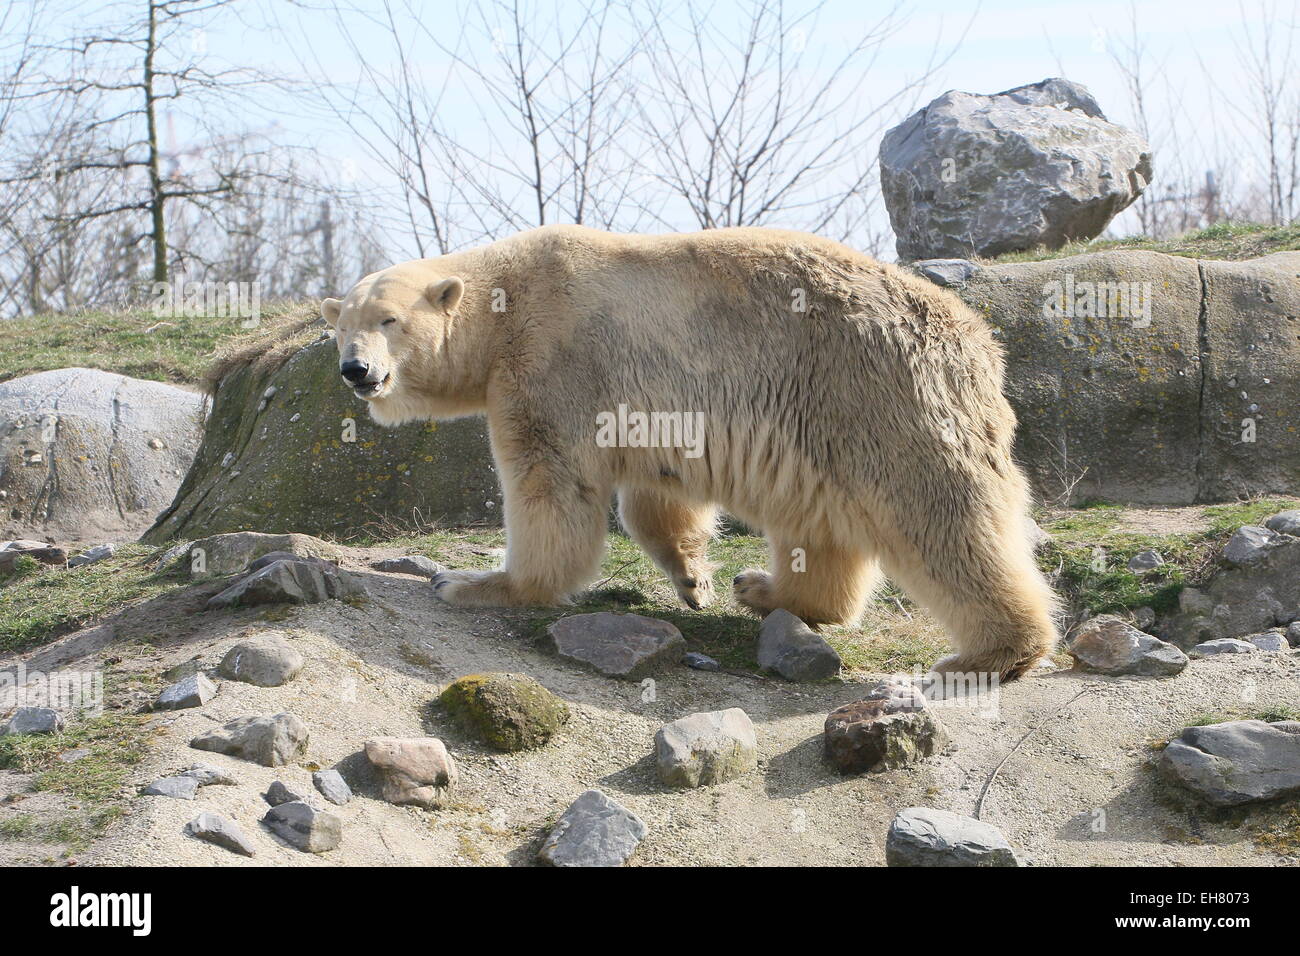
point(852, 411)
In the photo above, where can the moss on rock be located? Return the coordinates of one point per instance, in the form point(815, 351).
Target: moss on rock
point(508, 711)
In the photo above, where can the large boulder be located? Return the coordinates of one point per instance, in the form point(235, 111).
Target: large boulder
point(1142, 378)
point(288, 448)
point(1039, 165)
point(87, 455)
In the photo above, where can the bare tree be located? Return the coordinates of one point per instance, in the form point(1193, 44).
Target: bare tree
point(746, 130)
point(1268, 57)
point(550, 89)
point(129, 73)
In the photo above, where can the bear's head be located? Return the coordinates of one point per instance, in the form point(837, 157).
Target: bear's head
point(390, 329)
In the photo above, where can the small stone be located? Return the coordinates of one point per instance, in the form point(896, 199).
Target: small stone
point(1223, 645)
point(267, 660)
point(706, 748)
point(36, 550)
point(277, 793)
point(332, 786)
point(1269, 641)
point(270, 741)
point(194, 691)
point(183, 670)
point(924, 836)
point(881, 734)
point(271, 557)
point(415, 770)
point(1145, 561)
point(1249, 544)
point(289, 582)
point(156, 444)
point(594, 831)
point(1236, 762)
point(409, 564)
point(700, 662)
point(1143, 618)
point(35, 720)
point(72, 756)
point(1285, 522)
point(98, 553)
point(946, 272)
point(215, 828)
point(179, 787)
point(887, 730)
point(1109, 645)
point(507, 711)
point(305, 827)
point(618, 645)
point(788, 647)
point(1293, 634)
point(208, 775)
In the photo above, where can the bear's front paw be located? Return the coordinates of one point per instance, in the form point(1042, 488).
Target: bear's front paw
point(473, 588)
point(753, 589)
point(696, 591)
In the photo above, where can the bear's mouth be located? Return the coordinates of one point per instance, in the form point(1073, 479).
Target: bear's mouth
point(371, 389)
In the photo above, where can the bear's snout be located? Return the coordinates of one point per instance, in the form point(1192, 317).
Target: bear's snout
point(354, 371)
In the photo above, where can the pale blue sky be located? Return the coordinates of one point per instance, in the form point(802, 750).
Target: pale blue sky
point(1193, 52)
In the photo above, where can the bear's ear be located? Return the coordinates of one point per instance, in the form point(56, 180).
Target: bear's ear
point(445, 295)
point(329, 311)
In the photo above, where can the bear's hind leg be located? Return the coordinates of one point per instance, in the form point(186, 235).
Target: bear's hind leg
point(985, 589)
point(820, 584)
point(676, 535)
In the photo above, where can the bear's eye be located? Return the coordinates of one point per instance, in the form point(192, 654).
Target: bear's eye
point(388, 321)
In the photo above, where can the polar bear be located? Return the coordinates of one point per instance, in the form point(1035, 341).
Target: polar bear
point(852, 411)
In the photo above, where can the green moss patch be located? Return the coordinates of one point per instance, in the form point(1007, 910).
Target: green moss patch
point(507, 711)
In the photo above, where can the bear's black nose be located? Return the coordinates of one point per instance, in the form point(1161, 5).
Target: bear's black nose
point(353, 370)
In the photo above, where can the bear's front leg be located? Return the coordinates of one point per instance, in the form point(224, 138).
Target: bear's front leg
point(475, 589)
point(554, 543)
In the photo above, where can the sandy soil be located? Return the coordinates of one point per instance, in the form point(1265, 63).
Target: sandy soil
point(1072, 753)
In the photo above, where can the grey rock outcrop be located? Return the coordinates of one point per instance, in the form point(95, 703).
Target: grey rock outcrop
point(310, 459)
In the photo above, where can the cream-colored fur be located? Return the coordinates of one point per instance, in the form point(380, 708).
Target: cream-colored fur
point(866, 430)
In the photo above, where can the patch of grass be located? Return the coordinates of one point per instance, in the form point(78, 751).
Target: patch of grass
point(115, 743)
point(1271, 713)
point(131, 342)
point(93, 785)
point(19, 826)
point(1283, 835)
point(1221, 241)
point(1227, 518)
point(1089, 554)
point(37, 605)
